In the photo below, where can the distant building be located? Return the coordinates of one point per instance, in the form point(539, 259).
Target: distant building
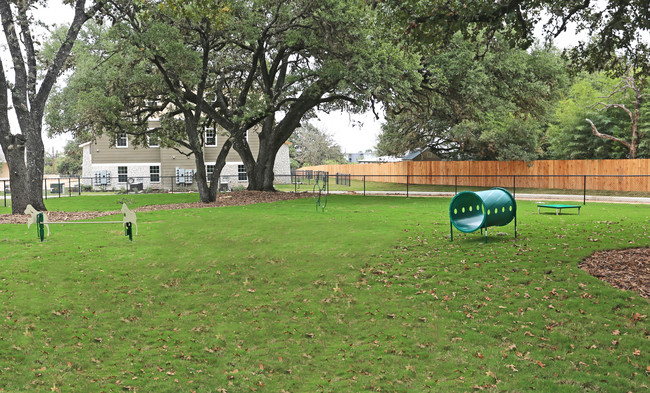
point(370, 158)
point(115, 164)
point(353, 158)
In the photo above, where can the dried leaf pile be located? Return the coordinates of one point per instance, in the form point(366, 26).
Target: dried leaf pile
point(627, 269)
point(237, 198)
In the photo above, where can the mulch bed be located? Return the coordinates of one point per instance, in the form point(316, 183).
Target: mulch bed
point(236, 198)
point(627, 269)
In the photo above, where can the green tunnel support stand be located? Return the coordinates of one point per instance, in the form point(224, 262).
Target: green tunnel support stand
point(40, 227)
point(128, 230)
point(472, 211)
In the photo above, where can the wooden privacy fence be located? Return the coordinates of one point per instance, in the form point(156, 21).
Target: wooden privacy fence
point(613, 175)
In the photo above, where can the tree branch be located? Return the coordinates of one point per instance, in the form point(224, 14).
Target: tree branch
point(606, 136)
point(28, 42)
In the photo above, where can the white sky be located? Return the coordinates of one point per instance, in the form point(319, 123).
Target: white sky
point(353, 132)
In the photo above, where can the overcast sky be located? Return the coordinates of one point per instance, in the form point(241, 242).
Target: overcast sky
point(352, 132)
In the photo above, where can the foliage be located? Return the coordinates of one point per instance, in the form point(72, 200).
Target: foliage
point(72, 160)
point(263, 68)
point(570, 136)
point(313, 55)
point(143, 76)
point(392, 305)
point(617, 29)
point(311, 146)
point(484, 107)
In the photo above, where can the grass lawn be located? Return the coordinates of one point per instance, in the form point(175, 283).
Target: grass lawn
point(369, 295)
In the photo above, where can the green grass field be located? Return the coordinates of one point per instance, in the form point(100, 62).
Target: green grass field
point(369, 295)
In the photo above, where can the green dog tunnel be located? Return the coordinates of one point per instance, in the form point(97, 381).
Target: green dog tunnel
point(470, 211)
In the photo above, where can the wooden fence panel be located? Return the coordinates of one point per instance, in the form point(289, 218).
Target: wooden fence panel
point(613, 175)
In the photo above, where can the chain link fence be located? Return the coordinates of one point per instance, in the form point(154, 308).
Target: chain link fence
point(583, 188)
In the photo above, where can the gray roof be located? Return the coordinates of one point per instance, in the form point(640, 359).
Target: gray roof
point(414, 154)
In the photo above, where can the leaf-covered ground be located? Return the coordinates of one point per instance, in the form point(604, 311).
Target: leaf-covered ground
point(237, 198)
point(625, 269)
point(369, 295)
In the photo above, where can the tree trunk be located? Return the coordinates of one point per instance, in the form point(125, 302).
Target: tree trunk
point(14, 150)
point(35, 153)
point(218, 167)
point(262, 177)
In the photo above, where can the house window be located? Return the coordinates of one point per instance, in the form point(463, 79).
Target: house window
point(122, 174)
point(153, 140)
point(241, 171)
point(154, 173)
point(209, 170)
point(211, 137)
point(122, 140)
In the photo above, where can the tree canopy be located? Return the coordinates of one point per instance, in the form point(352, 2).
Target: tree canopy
point(570, 136)
point(264, 67)
point(491, 106)
point(311, 146)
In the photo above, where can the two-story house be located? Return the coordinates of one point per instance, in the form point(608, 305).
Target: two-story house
point(115, 165)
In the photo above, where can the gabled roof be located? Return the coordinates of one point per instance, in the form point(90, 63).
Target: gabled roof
point(410, 156)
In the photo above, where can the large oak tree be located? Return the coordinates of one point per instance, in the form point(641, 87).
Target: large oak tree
point(265, 68)
point(25, 84)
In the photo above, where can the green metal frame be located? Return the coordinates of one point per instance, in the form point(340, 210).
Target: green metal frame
point(470, 211)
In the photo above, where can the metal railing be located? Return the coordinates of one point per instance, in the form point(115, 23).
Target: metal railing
point(569, 186)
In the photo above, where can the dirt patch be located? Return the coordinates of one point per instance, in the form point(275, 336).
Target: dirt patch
point(627, 269)
point(237, 198)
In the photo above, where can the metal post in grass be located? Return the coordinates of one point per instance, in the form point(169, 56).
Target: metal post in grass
point(584, 190)
point(364, 185)
point(40, 227)
point(407, 186)
point(514, 188)
point(45, 187)
point(4, 191)
point(79, 184)
point(455, 184)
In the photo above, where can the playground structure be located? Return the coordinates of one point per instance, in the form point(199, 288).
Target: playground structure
point(41, 220)
point(321, 189)
point(471, 211)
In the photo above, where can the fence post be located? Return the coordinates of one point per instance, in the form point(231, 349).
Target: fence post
point(59, 182)
point(364, 185)
point(45, 187)
point(69, 189)
point(327, 183)
point(79, 184)
point(407, 186)
point(514, 186)
point(584, 190)
point(4, 190)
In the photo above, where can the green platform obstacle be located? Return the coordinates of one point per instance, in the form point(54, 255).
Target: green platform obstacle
point(42, 222)
point(470, 211)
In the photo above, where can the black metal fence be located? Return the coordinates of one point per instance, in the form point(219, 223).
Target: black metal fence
point(570, 187)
